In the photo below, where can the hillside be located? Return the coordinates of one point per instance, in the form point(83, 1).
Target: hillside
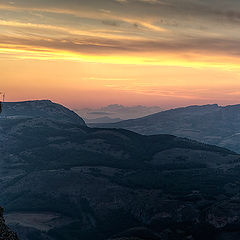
point(64, 181)
point(40, 109)
point(211, 124)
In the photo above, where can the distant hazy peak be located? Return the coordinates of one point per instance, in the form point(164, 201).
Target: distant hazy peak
point(116, 111)
point(212, 124)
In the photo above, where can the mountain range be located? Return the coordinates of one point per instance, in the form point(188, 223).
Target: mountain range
point(115, 113)
point(61, 180)
point(210, 124)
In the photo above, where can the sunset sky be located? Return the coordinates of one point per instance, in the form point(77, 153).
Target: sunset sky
point(90, 53)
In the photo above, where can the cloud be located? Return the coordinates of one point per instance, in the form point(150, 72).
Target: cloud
point(122, 1)
point(151, 1)
point(105, 11)
point(140, 1)
point(111, 23)
point(207, 51)
point(94, 45)
point(187, 29)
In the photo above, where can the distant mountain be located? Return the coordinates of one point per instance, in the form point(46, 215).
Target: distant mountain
point(60, 180)
point(102, 120)
point(40, 109)
point(115, 111)
point(211, 124)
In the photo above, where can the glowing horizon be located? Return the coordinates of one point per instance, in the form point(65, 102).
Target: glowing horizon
point(149, 52)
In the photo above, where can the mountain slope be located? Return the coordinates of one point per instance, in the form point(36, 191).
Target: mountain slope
point(211, 124)
point(40, 109)
point(63, 181)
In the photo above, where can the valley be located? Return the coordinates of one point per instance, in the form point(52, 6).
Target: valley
point(62, 180)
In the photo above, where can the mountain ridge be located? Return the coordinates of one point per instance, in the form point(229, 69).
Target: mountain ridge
point(40, 108)
point(65, 181)
point(212, 124)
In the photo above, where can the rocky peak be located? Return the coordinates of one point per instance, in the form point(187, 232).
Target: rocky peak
point(5, 232)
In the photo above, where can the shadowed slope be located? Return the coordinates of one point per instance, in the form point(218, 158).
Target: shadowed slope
point(211, 124)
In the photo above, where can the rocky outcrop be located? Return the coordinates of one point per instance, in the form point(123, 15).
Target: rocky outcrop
point(5, 232)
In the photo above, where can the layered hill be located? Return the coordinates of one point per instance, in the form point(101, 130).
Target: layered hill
point(211, 124)
point(61, 180)
point(40, 109)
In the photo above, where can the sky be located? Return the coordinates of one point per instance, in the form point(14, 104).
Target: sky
point(93, 53)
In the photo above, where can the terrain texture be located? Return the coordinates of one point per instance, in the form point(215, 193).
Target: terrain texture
point(61, 180)
point(211, 124)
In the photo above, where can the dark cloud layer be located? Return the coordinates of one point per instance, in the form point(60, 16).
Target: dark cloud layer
point(203, 8)
point(120, 26)
point(110, 47)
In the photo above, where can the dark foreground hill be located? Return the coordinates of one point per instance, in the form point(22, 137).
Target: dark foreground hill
point(211, 124)
point(40, 109)
point(64, 181)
